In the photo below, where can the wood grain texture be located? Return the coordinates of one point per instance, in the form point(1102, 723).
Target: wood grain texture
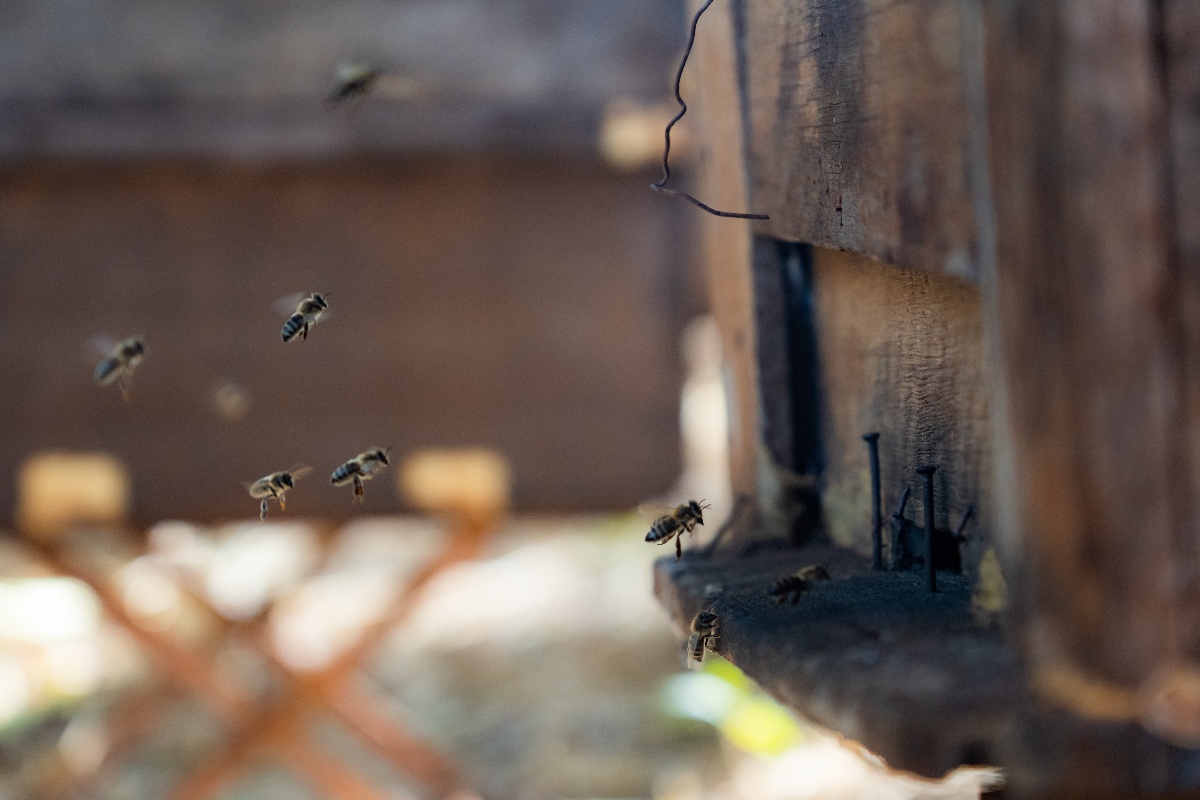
point(1181, 41)
point(533, 306)
point(901, 353)
point(1087, 308)
point(859, 135)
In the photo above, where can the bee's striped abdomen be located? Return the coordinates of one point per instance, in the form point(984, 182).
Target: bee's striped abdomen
point(107, 370)
point(294, 325)
point(260, 488)
point(344, 473)
point(704, 627)
point(663, 528)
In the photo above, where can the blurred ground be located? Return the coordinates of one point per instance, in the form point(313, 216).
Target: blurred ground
point(539, 669)
point(543, 670)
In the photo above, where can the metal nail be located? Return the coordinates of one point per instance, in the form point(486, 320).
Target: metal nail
point(899, 513)
point(872, 440)
point(962, 523)
point(897, 538)
point(927, 472)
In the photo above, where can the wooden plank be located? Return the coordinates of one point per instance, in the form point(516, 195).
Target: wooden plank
point(529, 306)
point(901, 354)
point(859, 136)
point(874, 656)
point(1087, 309)
point(906, 673)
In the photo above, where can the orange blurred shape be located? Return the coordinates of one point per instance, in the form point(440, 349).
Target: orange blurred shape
point(58, 490)
point(475, 482)
point(631, 135)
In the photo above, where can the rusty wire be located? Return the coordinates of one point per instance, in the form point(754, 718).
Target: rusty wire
point(661, 185)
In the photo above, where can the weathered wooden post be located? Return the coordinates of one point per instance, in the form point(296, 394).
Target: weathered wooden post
point(1002, 205)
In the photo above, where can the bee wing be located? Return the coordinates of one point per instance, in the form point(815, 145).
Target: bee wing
point(347, 71)
point(652, 511)
point(688, 646)
point(402, 87)
point(100, 344)
point(299, 472)
point(286, 306)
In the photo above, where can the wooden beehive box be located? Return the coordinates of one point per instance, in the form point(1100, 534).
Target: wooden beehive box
point(983, 244)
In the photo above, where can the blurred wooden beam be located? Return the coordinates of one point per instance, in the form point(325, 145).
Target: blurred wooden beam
point(1088, 315)
point(216, 79)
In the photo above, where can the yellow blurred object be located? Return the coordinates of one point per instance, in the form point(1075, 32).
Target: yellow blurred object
point(715, 665)
point(476, 482)
point(990, 598)
point(761, 726)
point(631, 135)
point(58, 490)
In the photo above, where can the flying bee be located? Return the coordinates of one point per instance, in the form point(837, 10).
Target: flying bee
point(683, 519)
point(352, 82)
point(274, 486)
point(704, 634)
point(118, 363)
point(360, 468)
point(790, 588)
point(303, 312)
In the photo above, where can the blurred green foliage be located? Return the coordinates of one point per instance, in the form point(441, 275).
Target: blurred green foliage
point(721, 695)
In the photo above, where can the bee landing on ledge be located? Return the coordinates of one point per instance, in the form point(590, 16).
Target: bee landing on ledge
point(360, 468)
point(790, 588)
point(683, 519)
point(274, 486)
point(118, 363)
point(302, 312)
point(704, 635)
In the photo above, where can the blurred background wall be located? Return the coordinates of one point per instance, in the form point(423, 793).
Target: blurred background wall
point(499, 273)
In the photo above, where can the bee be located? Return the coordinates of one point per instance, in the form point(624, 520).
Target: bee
point(273, 487)
point(352, 82)
point(118, 364)
point(790, 588)
point(360, 468)
point(704, 634)
point(308, 309)
point(683, 519)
